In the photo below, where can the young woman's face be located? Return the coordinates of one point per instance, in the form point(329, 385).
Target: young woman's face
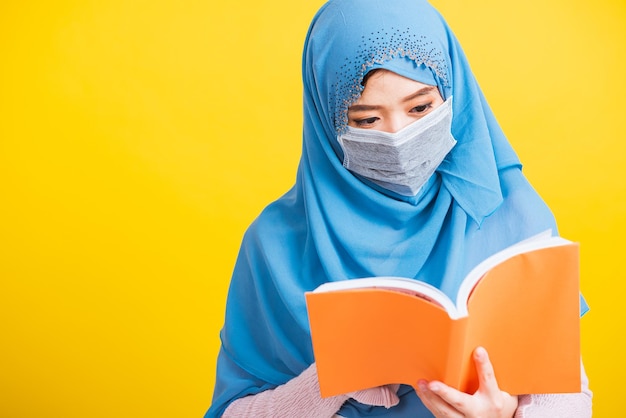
point(390, 102)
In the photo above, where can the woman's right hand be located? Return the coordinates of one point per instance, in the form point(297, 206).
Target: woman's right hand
point(487, 401)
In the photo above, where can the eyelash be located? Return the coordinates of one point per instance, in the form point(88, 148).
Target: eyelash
point(366, 121)
point(370, 121)
point(422, 108)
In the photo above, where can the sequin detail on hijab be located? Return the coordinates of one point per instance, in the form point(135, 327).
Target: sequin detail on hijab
point(378, 48)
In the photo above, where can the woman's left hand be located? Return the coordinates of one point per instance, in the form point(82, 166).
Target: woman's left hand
point(488, 401)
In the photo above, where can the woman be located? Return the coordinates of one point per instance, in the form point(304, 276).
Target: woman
point(433, 190)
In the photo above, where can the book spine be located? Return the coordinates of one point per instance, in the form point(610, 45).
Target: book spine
point(459, 355)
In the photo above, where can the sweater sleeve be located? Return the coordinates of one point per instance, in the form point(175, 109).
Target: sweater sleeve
point(291, 399)
point(566, 405)
point(301, 397)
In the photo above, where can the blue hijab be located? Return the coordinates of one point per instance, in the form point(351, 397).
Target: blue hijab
point(334, 226)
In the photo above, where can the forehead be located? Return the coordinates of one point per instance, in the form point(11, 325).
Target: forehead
point(348, 38)
point(404, 53)
point(387, 86)
point(396, 74)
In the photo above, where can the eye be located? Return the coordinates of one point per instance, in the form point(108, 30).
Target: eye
point(421, 108)
point(366, 122)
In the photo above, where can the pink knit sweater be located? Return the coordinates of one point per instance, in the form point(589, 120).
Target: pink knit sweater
point(300, 397)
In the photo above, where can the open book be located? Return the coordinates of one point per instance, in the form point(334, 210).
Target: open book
point(521, 304)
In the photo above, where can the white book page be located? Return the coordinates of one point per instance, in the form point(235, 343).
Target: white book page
point(399, 284)
point(431, 293)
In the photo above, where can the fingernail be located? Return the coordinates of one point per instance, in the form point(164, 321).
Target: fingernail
point(480, 352)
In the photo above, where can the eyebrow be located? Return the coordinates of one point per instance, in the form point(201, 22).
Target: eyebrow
point(421, 92)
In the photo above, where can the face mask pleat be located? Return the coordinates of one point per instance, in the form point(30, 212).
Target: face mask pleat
point(404, 160)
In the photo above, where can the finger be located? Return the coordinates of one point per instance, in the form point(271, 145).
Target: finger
point(455, 399)
point(434, 402)
point(487, 382)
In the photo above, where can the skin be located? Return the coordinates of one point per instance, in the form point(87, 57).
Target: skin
point(389, 103)
point(487, 402)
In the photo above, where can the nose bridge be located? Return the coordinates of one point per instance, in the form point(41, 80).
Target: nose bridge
point(397, 121)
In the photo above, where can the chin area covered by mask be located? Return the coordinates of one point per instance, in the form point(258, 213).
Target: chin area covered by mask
point(404, 160)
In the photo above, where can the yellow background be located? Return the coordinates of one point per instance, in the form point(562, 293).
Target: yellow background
point(138, 139)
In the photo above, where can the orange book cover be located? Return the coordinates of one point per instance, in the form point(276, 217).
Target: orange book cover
point(522, 305)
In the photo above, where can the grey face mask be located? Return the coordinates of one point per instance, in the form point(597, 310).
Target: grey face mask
point(404, 160)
